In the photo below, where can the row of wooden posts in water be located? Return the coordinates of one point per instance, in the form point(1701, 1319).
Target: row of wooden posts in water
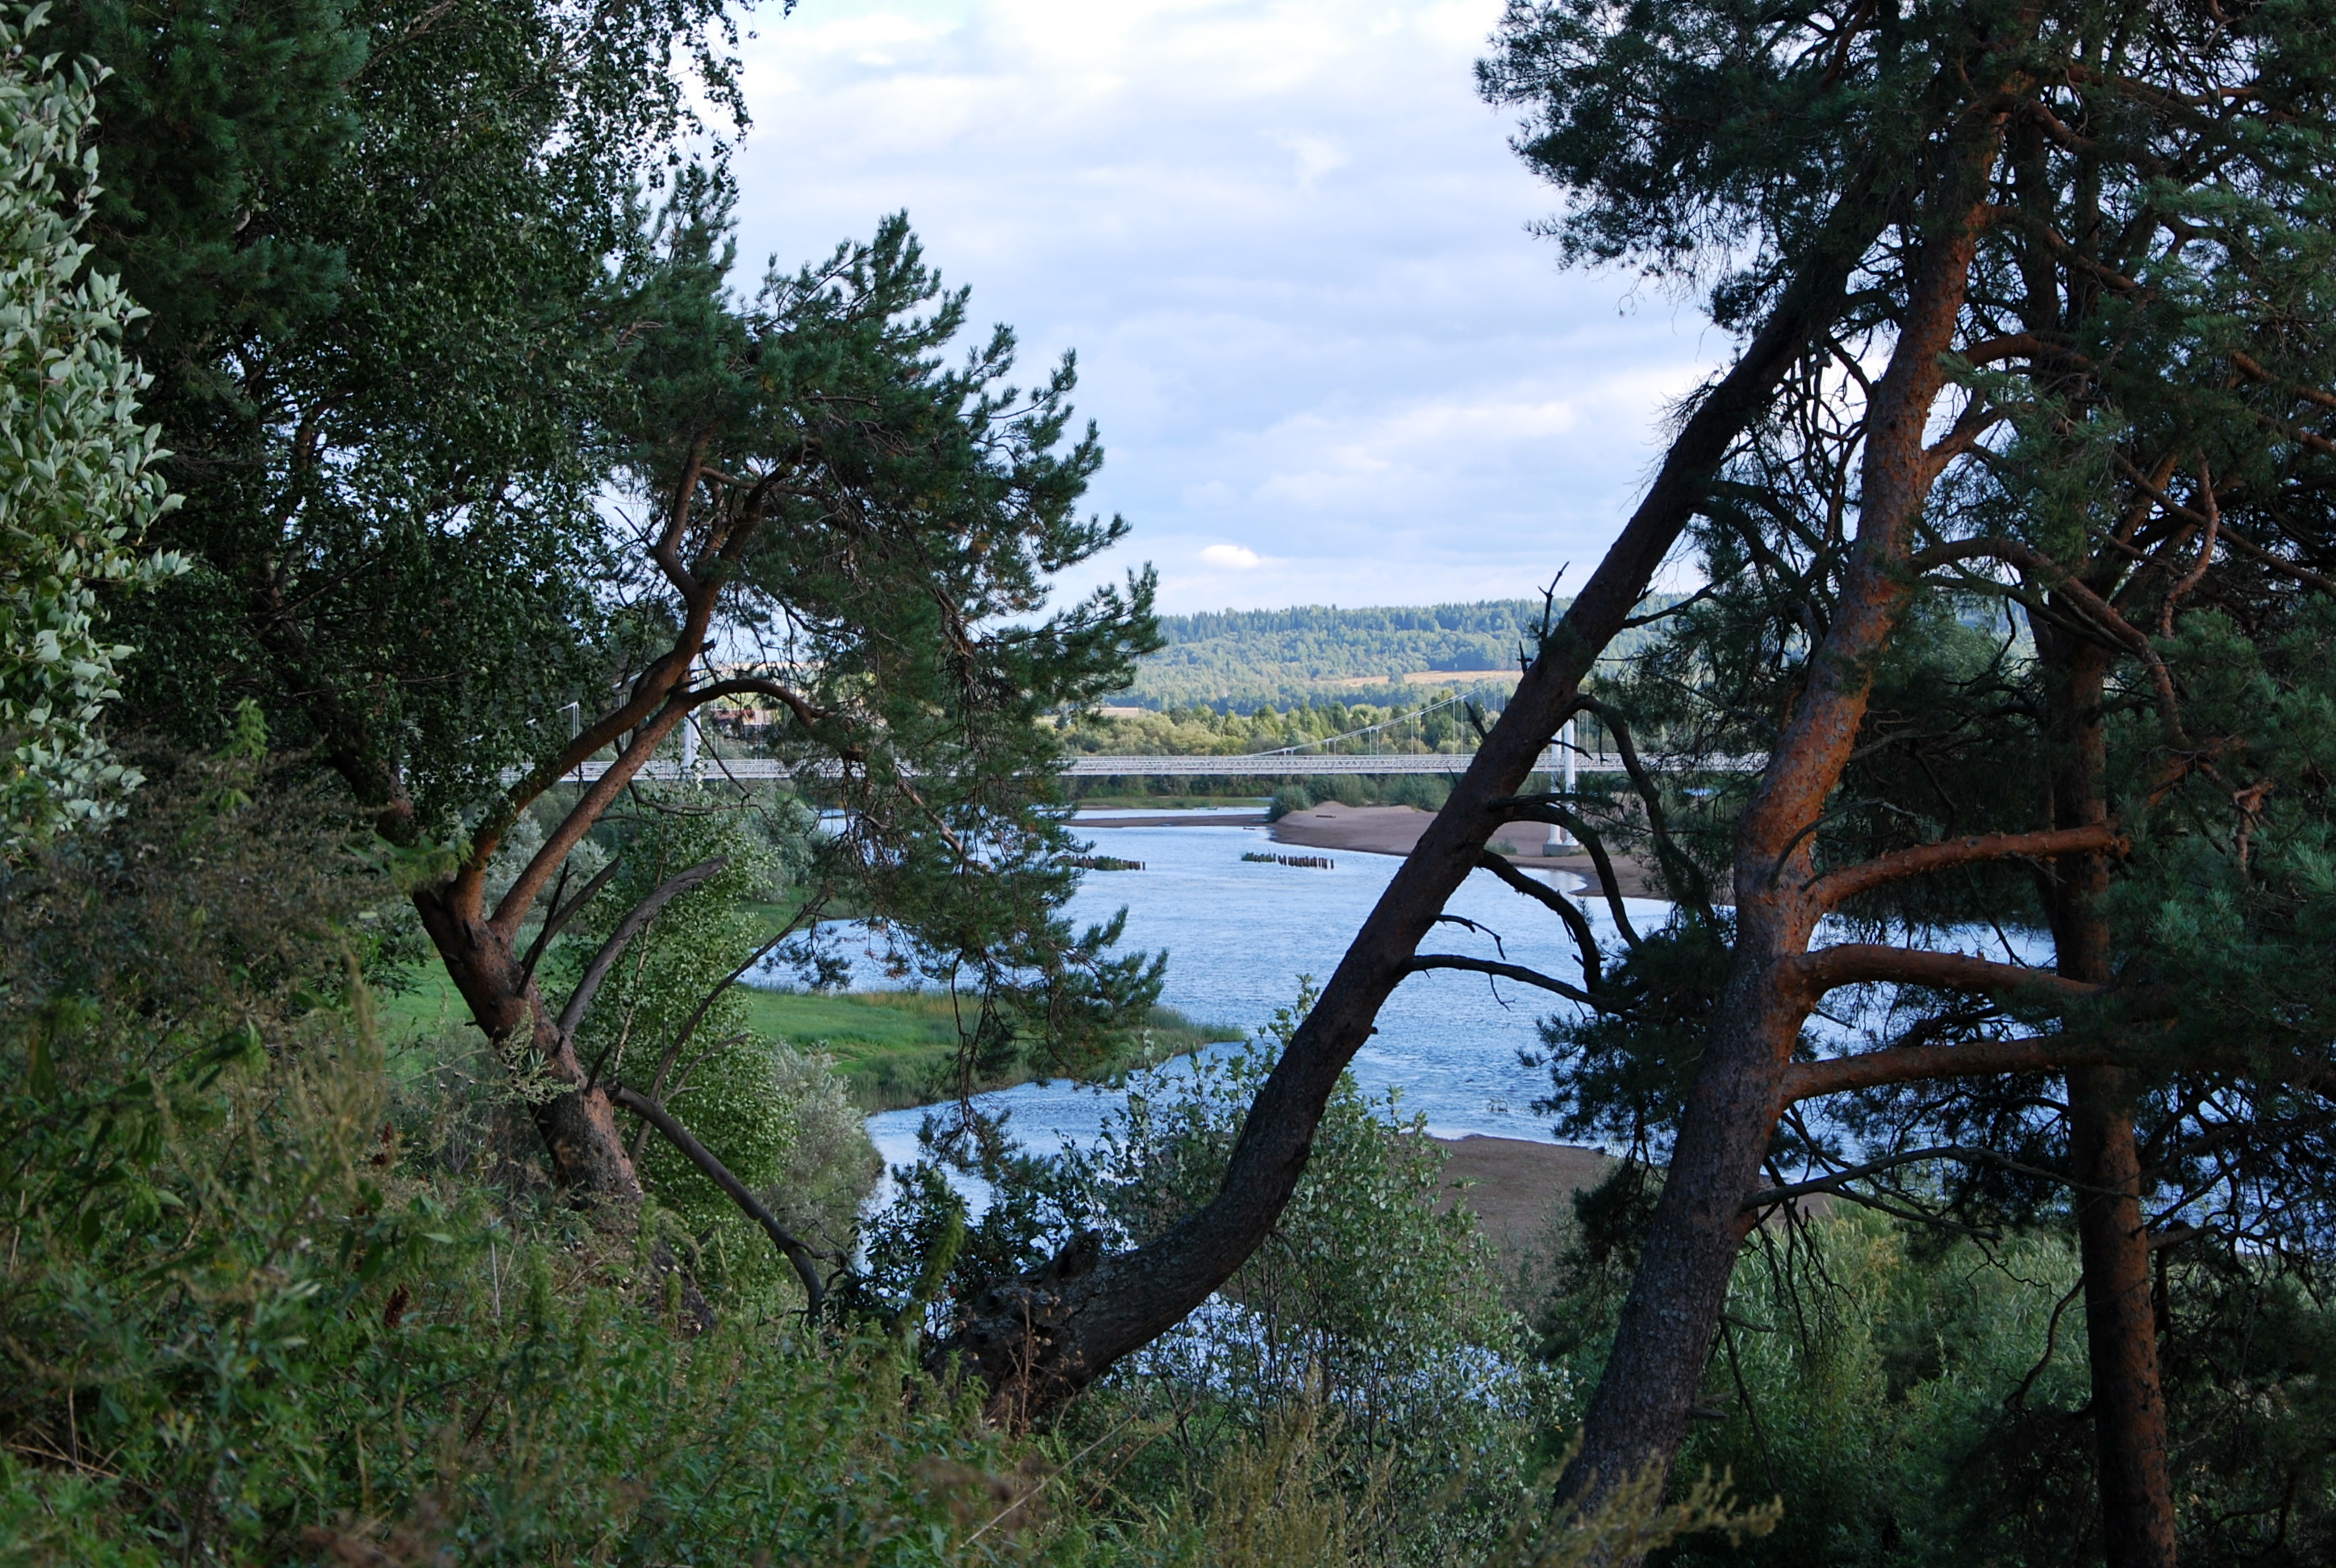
point(1105, 863)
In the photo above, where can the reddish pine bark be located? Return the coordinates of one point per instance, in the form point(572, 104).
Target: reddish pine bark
point(1036, 1339)
point(2129, 1430)
point(1638, 1417)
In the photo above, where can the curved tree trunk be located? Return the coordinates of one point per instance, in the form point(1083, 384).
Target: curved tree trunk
point(1036, 1339)
point(579, 1126)
point(1638, 1417)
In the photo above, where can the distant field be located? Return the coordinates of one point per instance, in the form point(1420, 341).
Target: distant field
point(1454, 677)
point(893, 1048)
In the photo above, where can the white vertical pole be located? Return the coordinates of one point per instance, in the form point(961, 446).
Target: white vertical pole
point(689, 747)
point(1561, 764)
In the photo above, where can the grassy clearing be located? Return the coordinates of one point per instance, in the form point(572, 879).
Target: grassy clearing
point(898, 1048)
point(894, 1048)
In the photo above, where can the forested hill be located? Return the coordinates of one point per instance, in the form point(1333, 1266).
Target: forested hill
point(1241, 658)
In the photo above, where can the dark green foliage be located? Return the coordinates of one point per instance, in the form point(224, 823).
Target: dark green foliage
point(1922, 1403)
point(253, 1313)
point(1241, 661)
point(372, 243)
point(907, 517)
point(1238, 660)
point(1371, 1312)
point(429, 285)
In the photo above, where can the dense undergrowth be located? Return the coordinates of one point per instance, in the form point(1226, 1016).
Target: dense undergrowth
point(265, 1300)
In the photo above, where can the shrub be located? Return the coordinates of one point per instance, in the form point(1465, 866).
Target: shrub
point(78, 483)
point(1290, 797)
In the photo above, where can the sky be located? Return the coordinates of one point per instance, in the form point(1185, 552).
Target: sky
point(1290, 245)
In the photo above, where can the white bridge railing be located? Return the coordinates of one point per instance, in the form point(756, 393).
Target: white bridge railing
point(1272, 765)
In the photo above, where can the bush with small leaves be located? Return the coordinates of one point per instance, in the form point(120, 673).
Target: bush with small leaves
point(78, 481)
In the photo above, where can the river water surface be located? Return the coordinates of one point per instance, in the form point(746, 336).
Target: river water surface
point(1239, 934)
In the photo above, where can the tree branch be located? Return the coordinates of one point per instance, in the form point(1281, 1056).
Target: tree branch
point(626, 930)
point(2061, 581)
point(557, 921)
point(698, 1154)
point(1859, 963)
point(1584, 939)
point(2281, 564)
point(2248, 367)
point(1832, 1184)
point(1837, 887)
point(1517, 972)
point(666, 551)
point(1685, 875)
point(1913, 1064)
point(586, 811)
point(1545, 810)
point(807, 713)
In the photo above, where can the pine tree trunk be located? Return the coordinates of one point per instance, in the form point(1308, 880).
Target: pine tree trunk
point(2136, 1492)
point(1639, 1415)
point(1037, 1340)
point(580, 1124)
point(2129, 1432)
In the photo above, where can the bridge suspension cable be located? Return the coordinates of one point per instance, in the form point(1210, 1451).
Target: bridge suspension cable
point(1356, 734)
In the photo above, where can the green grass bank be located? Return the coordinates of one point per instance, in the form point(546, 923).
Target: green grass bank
point(893, 1049)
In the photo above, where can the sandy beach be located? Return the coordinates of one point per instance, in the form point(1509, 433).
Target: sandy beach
point(1393, 829)
point(1518, 1188)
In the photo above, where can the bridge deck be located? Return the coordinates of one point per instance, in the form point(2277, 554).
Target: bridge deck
point(1301, 765)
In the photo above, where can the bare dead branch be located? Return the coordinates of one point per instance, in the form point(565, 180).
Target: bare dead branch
point(1545, 810)
point(1516, 972)
point(1678, 867)
point(1557, 904)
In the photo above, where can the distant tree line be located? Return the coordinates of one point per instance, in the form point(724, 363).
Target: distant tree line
point(1241, 661)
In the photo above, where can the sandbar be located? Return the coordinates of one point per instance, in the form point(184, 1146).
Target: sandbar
point(1517, 1187)
point(1394, 830)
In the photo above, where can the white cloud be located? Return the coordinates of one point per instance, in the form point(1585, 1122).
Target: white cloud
point(1288, 243)
point(1232, 556)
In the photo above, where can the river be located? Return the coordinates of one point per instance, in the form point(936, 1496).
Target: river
point(1239, 934)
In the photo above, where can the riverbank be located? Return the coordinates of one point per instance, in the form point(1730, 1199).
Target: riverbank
point(1394, 830)
point(898, 1050)
point(892, 1048)
point(1517, 1188)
